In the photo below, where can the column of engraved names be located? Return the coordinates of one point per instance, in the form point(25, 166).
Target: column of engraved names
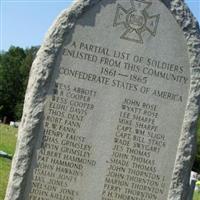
point(132, 173)
point(64, 152)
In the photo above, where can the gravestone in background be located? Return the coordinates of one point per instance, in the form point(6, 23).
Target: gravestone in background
point(111, 105)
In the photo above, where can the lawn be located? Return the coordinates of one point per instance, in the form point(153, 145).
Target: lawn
point(196, 196)
point(7, 144)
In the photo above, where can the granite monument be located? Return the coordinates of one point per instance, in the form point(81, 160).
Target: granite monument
point(111, 105)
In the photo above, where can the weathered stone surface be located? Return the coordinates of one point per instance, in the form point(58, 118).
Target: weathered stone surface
point(111, 105)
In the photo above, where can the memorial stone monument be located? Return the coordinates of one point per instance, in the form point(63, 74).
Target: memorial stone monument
point(111, 105)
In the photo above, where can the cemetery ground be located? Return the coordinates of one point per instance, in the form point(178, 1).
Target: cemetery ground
point(196, 196)
point(7, 144)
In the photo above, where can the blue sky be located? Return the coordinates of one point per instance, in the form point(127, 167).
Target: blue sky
point(24, 22)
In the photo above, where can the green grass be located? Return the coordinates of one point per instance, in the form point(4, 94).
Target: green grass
point(196, 196)
point(4, 174)
point(7, 138)
point(7, 144)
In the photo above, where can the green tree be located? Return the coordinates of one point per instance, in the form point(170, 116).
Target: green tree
point(24, 72)
point(10, 80)
point(196, 166)
point(14, 71)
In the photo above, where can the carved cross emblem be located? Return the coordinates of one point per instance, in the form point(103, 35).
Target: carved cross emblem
point(136, 20)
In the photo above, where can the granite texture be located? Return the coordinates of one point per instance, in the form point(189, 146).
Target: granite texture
point(40, 77)
point(187, 144)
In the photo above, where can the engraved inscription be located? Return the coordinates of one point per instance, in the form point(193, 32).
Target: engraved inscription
point(114, 110)
point(132, 171)
point(64, 153)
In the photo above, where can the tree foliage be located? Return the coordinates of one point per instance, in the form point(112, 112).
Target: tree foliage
point(196, 166)
point(15, 65)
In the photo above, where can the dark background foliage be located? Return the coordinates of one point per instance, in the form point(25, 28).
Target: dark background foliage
point(15, 65)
